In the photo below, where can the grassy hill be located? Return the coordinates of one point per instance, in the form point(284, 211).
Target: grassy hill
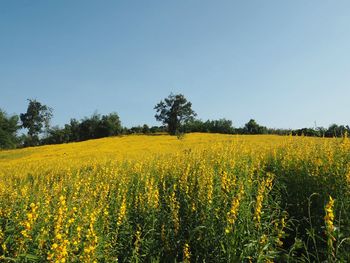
point(204, 197)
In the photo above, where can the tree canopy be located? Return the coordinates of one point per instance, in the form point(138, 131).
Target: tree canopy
point(37, 116)
point(8, 129)
point(96, 126)
point(252, 127)
point(174, 111)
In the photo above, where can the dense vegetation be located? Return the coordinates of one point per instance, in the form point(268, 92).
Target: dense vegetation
point(8, 130)
point(175, 113)
point(212, 198)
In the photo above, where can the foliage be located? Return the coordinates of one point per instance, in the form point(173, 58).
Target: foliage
point(8, 129)
point(335, 130)
point(36, 117)
point(174, 111)
point(252, 127)
point(96, 126)
point(212, 126)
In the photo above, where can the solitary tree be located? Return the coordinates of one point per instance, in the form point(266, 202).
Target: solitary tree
point(36, 117)
point(174, 111)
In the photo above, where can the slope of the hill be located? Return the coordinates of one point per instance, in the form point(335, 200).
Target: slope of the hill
point(131, 147)
point(201, 198)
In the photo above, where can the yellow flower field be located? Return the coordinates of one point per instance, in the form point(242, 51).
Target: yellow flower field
point(205, 197)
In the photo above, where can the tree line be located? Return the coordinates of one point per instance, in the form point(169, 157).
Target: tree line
point(174, 112)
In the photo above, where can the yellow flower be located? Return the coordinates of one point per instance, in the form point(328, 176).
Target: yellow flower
point(186, 253)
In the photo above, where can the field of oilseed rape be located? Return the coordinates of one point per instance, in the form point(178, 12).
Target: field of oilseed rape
point(201, 198)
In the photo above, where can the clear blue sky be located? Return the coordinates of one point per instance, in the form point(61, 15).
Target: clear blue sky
point(284, 63)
